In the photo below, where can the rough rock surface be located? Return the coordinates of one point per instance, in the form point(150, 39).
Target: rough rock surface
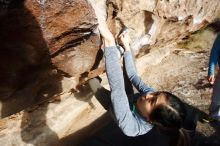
point(35, 33)
point(157, 22)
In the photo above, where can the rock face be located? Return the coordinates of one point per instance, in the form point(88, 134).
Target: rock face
point(63, 32)
point(35, 33)
point(158, 22)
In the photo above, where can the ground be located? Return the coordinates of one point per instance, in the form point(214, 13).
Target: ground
point(184, 73)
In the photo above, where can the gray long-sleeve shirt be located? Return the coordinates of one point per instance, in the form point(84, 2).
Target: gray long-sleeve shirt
point(131, 123)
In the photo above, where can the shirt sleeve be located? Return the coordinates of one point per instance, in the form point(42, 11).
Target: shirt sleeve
point(214, 56)
point(132, 75)
point(126, 120)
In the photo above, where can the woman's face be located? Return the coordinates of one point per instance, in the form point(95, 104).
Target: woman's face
point(147, 103)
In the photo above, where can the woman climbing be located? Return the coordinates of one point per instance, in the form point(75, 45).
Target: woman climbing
point(147, 108)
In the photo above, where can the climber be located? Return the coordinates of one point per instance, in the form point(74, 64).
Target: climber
point(213, 61)
point(147, 108)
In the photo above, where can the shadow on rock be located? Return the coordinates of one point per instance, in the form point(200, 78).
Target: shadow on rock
point(23, 55)
point(84, 134)
point(27, 77)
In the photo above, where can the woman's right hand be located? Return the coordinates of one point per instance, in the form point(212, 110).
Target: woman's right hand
point(211, 79)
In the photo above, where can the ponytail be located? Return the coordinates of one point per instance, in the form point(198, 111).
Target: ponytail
point(169, 119)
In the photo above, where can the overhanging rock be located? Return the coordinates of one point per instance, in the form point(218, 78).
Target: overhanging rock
point(34, 34)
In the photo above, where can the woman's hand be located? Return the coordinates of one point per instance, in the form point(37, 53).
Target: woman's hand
point(211, 79)
point(125, 39)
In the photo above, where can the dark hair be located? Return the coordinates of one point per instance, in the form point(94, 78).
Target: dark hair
point(169, 118)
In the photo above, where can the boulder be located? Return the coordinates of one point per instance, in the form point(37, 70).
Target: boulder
point(38, 34)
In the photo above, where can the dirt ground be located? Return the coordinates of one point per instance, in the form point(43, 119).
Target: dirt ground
point(184, 74)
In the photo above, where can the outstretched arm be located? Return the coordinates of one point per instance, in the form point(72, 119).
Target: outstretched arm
point(133, 76)
point(129, 123)
point(126, 120)
point(130, 67)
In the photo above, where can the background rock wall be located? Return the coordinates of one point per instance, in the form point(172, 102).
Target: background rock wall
point(158, 22)
point(63, 33)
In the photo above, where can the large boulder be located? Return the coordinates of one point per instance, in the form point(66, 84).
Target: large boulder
point(35, 33)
